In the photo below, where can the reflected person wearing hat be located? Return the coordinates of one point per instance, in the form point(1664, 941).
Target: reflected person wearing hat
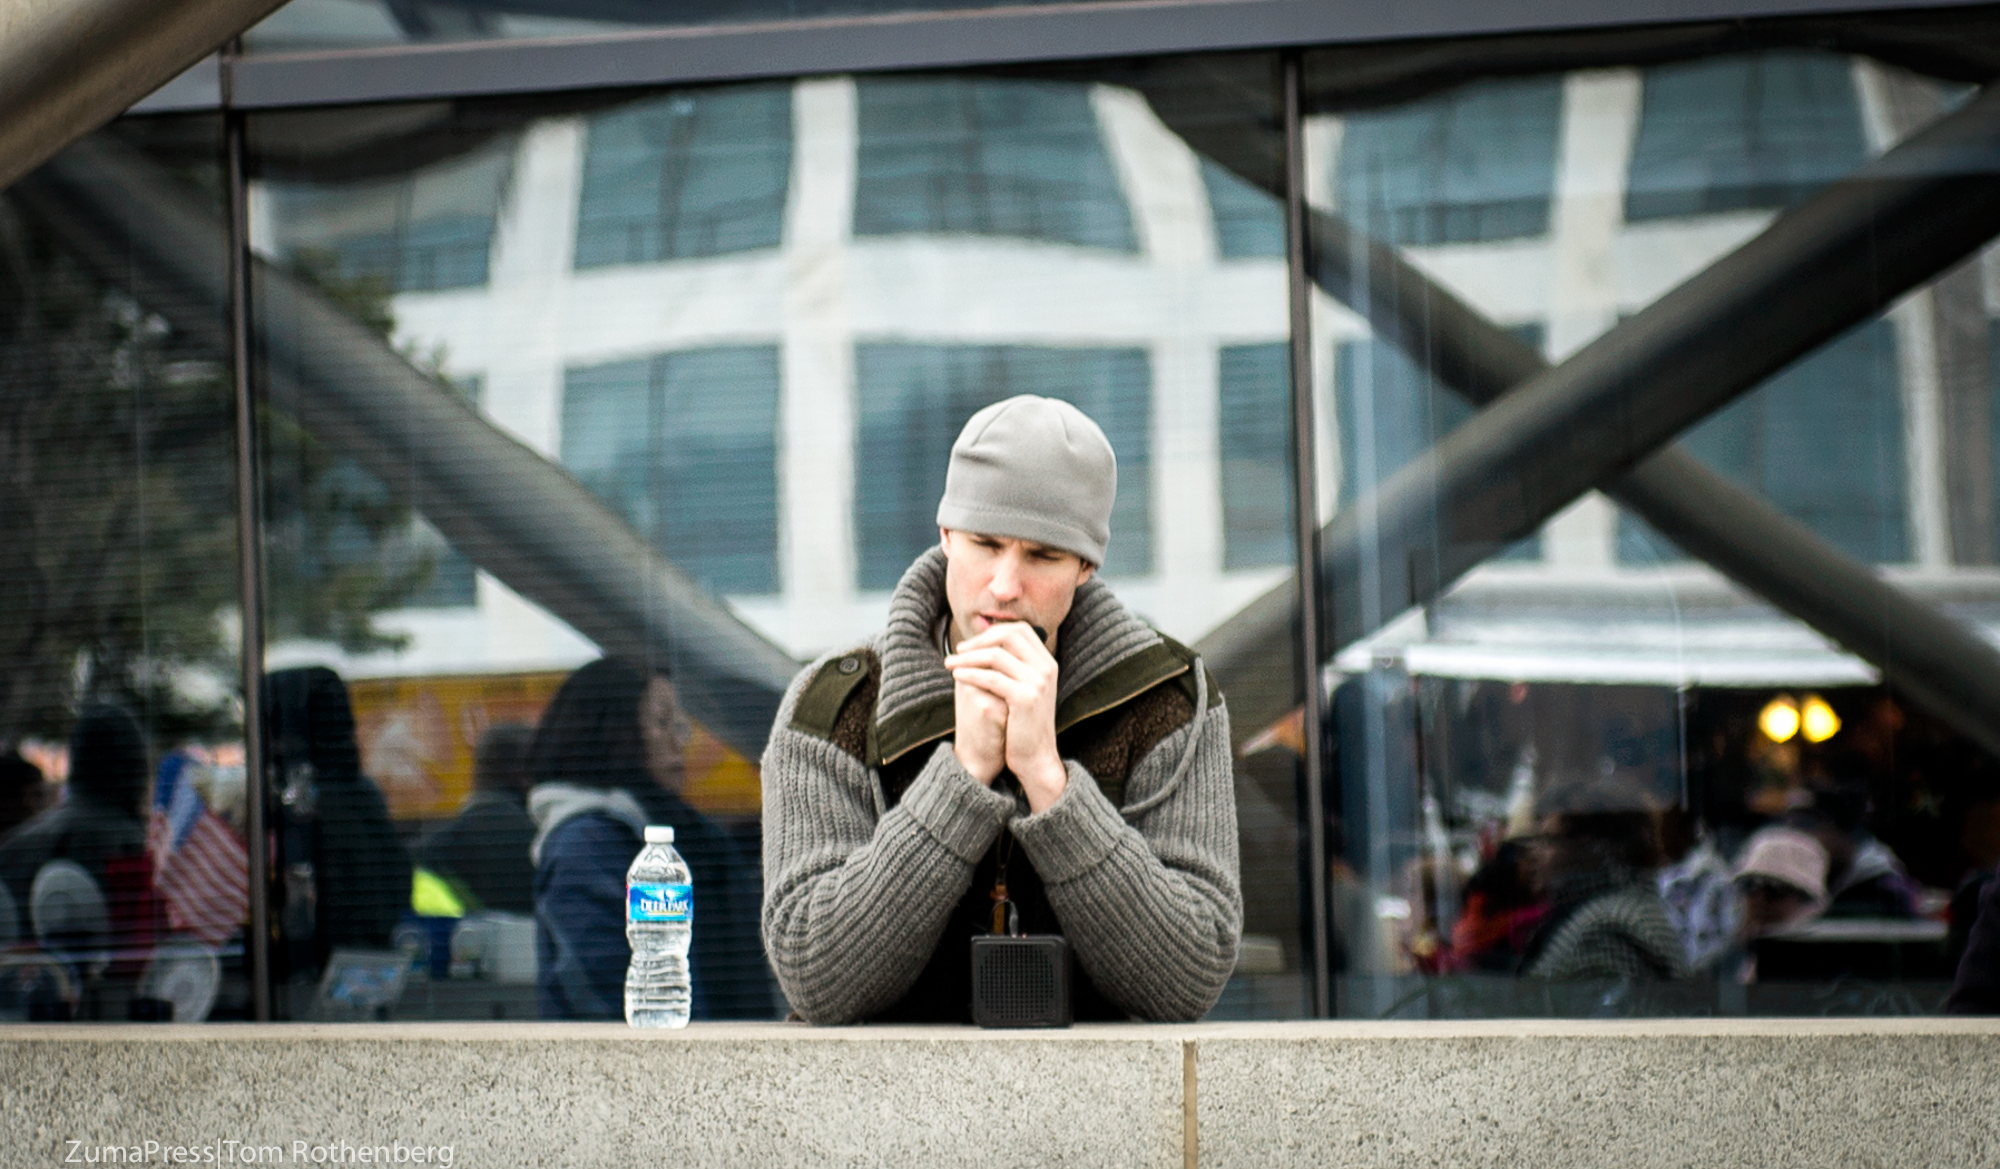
point(1782, 877)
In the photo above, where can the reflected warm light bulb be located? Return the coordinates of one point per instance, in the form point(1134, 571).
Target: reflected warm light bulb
point(1779, 720)
point(1817, 719)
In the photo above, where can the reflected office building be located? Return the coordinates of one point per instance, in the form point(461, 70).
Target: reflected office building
point(1638, 386)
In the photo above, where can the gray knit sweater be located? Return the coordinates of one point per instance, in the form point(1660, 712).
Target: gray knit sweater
point(857, 893)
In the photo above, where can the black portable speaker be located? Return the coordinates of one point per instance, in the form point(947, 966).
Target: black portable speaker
point(1020, 981)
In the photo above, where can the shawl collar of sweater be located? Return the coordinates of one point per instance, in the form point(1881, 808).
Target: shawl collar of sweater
point(1104, 655)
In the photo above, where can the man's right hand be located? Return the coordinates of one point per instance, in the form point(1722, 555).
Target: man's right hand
point(980, 741)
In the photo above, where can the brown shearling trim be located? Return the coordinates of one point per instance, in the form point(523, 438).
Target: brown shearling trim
point(857, 714)
point(1111, 744)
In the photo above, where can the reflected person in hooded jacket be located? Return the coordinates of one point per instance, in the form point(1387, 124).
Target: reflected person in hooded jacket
point(346, 873)
point(100, 825)
point(606, 762)
point(101, 820)
point(1599, 850)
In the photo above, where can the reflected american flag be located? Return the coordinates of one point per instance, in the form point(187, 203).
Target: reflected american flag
point(200, 867)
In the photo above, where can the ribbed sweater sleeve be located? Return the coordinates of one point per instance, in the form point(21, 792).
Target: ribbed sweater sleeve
point(854, 902)
point(1153, 908)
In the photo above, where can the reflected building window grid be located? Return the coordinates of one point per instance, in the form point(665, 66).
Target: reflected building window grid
point(698, 472)
point(1736, 133)
point(1253, 430)
point(964, 156)
point(1767, 129)
point(688, 175)
point(1468, 265)
point(891, 295)
point(1249, 223)
point(912, 402)
point(423, 232)
point(1472, 165)
point(672, 304)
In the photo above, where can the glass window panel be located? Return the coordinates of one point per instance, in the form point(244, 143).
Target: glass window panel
point(778, 448)
point(698, 173)
point(915, 398)
point(970, 156)
point(1602, 729)
point(1742, 132)
point(1474, 164)
point(402, 823)
point(123, 891)
point(608, 438)
point(685, 446)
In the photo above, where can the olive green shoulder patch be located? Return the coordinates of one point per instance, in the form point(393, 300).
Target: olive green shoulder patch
point(1186, 679)
point(831, 691)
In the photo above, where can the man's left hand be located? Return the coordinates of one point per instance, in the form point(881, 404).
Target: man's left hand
point(1008, 661)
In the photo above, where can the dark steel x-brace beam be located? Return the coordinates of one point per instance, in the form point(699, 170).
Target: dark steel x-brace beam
point(1600, 418)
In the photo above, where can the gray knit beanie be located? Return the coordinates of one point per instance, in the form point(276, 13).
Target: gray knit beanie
point(1033, 469)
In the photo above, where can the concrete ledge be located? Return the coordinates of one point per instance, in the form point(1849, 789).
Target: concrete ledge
point(1695, 1093)
point(1917, 1092)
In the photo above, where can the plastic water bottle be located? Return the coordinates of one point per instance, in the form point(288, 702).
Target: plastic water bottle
point(659, 924)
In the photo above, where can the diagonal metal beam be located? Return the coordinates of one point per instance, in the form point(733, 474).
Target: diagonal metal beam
point(515, 514)
point(1817, 271)
point(69, 66)
point(1942, 663)
point(1938, 661)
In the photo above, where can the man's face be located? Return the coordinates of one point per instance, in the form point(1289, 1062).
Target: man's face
point(990, 579)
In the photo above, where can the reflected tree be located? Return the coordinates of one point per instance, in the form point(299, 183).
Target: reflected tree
point(118, 557)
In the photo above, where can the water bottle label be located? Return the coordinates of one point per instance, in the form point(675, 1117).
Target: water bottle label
point(649, 901)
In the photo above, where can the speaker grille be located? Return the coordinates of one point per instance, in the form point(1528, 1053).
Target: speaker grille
point(1020, 982)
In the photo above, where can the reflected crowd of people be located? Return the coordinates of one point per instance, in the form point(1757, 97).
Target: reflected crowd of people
point(1502, 848)
point(1606, 881)
point(124, 881)
point(123, 875)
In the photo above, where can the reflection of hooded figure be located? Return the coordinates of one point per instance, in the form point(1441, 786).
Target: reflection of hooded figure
point(1606, 920)
point(597, 785)
point(346, 873)
point(101, 821)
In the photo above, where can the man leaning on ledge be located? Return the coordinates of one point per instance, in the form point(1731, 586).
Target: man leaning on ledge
point(1013, 727)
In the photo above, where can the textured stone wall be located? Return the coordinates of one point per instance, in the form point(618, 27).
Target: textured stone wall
point(1707, 1093)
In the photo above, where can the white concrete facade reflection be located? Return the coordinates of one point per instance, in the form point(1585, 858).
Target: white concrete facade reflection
point(1574, 611)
